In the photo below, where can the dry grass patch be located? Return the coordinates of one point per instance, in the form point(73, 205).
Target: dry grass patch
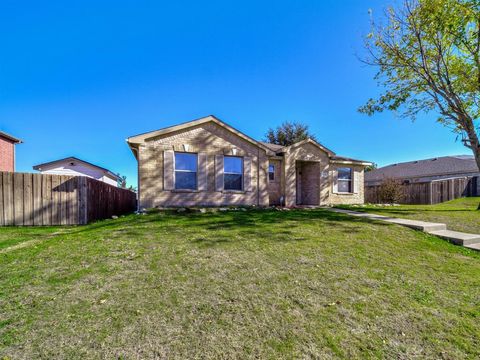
point(262, 284)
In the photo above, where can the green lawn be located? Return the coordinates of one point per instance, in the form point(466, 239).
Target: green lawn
point(460, 214)
point(14, 236)
point(254, 284)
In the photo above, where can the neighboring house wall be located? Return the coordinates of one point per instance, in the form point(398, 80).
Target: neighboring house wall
point(443, 177)
point(421, 179)
point(7, 155)
point(211, 142)
point(78, 169)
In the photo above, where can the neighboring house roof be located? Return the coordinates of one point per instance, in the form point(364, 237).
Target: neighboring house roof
point(39, 167)
point(446, 165)
point(10, 137)
point(138, 139)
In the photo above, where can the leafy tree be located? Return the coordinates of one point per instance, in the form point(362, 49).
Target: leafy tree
point(288, 133)
point(427, 54)
point(122, 181)
point(371, 167)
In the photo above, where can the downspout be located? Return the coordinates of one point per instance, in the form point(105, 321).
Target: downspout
point(136, 152)
point(138, 179)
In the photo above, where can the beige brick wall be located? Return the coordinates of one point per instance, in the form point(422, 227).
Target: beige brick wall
point(275, 187)
point(306, 152)
point(326, 171)
point(308, 183)
point(211, 139)
point(350, 198)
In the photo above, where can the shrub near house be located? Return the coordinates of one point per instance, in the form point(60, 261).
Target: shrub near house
point(391, 191)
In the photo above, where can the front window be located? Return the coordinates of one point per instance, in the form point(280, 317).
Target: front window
point(185, 171)
point(271, 172)
point(344, 180)
point(233, 172)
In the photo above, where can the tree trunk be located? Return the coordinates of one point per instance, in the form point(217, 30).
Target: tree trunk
point(476, 154)
point(473, 139)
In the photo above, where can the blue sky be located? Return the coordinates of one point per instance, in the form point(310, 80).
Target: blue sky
point(78, 77)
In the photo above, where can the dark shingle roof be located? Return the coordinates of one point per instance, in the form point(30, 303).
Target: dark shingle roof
point(446, 165)
point(273, 147)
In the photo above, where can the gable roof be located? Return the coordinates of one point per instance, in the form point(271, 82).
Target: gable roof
point(280, 148)
point(271, 149)
point(138, 139)
point(10, 137)
point(313, 142)
point(446, 165)
point(333, 157)
point(73, 158)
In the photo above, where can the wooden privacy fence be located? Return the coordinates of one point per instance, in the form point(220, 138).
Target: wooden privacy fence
point(431, 192)
point(38, 199)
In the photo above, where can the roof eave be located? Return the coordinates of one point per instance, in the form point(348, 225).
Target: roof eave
point(311, 141)
point(133, 148)
point(351, 162)
point(11, 138)
point(105, 170)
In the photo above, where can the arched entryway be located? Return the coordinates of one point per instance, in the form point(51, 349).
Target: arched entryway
point(308, 183)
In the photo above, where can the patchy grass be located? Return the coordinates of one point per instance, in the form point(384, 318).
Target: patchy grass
point(460, 214)
point(256, 284)
point(10, 236)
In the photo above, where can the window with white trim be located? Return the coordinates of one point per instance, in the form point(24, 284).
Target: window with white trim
point(232, 173)
point(185, 171)
point(344, 180)
point(271, 172)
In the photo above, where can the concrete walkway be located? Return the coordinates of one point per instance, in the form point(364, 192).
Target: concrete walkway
point(471, 241)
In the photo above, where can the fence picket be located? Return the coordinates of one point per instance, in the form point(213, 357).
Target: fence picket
point(41, 199)
point(432, 192)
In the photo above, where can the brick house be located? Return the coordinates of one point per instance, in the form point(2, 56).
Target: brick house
point(7, 151)
point(206, 162)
